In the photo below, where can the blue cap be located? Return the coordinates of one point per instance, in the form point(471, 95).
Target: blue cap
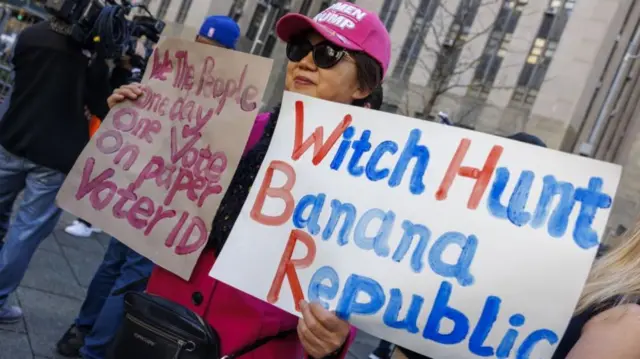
point(221, 29)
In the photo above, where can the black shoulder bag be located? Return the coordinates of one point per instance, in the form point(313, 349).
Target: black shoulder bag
point(157, 328)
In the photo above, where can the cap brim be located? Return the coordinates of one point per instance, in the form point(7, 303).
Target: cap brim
point(291, 25)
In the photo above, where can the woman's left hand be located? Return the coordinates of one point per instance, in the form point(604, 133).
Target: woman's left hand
point(321, 331)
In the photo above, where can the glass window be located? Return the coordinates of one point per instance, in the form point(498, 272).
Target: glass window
point(498, 43)
point(525, 74)
point(162, 9)
point(545, 27)
point(256, 20)
point(325, 4)
point(269, 45)
point(414, 41)
point(304, 8)
point(448, 57)
point(389, 12)
point(184, 10)
point(543, 48)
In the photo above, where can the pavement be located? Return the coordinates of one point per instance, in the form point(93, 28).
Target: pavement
point(53, 289)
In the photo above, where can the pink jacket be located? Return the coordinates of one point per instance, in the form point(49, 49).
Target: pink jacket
point(239, 318)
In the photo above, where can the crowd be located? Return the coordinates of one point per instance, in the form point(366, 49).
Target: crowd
point(43, 132)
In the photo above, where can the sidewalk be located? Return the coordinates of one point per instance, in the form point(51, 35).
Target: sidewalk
point(52, 292)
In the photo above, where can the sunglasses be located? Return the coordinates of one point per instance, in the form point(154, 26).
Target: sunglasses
point(325, 54)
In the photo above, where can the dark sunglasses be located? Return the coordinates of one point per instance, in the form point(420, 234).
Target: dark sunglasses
point(325, 54)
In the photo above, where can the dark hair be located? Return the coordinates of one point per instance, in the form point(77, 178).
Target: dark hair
point(369, 71)
point(374, 99)
point(527, 138)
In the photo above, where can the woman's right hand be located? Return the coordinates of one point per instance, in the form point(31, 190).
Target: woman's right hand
point(126, 92)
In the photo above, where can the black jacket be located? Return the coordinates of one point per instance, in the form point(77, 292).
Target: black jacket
point(45, 120)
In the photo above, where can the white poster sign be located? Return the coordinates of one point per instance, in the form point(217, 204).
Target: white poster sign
point(449, 242)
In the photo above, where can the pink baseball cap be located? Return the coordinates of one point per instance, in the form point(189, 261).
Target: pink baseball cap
point(345, 25)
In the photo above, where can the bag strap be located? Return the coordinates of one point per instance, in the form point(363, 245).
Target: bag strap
point(244, 350)
point(258, 343)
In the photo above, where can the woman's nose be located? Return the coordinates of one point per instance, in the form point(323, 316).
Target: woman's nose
point(307, 62)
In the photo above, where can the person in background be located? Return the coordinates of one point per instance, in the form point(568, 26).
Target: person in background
point(120, 76)
point(386, 350)
point(607, 319)
point(326, 61)
point(42, 133)
point(101, 312)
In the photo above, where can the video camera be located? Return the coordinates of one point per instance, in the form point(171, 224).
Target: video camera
point(104, 27)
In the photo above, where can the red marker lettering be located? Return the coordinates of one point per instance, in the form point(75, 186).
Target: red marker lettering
point(320, 149)
point(482, 177)
point(288, 267)
point(284, 193)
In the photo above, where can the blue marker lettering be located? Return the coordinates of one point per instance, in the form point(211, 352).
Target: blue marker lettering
point(380, 242)
point(533, 339)
point(359, 148)
point(347, 135)
point(392, 313)
point(461, 269)
point(337, 210)
point(373, 173)
point(441, 310)
point(591, 200)
point(311, 221)
point(318, 291)
point(421, 154)
point(483, 328)
point(516, 213)
point(348, 303)
point(559, 220)
point(410, 232)
point(499, 184)
point(504, 349)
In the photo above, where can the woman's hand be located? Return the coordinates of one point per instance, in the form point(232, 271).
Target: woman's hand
point(612, 334)
point(321, 331)
point(126, 92)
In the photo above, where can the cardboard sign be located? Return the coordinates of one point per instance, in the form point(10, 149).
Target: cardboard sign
point(154, 174)
point(449, 242)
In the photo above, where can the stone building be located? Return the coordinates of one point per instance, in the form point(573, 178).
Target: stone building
point(564, 70)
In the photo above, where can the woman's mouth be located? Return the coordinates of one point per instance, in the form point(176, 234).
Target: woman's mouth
point(303, 81)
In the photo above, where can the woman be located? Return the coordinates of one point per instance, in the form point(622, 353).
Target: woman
point(607, 321)
point(327, 61)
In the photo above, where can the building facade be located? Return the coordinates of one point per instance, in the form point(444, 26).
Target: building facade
point(564, 70)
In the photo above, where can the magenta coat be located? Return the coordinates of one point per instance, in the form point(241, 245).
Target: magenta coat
point(239, 318)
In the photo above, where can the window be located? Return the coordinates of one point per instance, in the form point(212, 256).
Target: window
point(389, 12)
point(183, 11)
point(236, 10)
point(496, 47)
point(304, 8)
point(542, 50)
point(256, 21)
point(269, 45)
point(325, 4)
point(451, 48)
point(162, 9)
point(262, 28)
point(415, 40)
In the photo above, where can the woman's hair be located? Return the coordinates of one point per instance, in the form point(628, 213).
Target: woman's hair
point(615, 277)
point(369, 71)
point(374, 100)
